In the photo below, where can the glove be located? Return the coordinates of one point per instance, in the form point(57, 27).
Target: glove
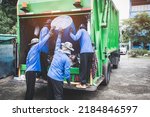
point(71, 30)
point(68, 81)
point(52, 30)
point(60, 32)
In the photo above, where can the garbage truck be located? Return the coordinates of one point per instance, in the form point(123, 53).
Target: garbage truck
point(101, 19)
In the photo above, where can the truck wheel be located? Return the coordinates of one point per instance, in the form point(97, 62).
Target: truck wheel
point(117, 59)
point(106, 73)
point(115, 66)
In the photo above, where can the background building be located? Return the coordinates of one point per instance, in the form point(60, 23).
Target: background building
point(137, 6)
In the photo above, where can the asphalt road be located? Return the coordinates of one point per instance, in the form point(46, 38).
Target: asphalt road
point(131, 81)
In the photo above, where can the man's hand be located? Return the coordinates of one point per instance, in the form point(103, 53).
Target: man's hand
point(52, 30)
point(68, 81)
point(60, 32)
point(71, 30)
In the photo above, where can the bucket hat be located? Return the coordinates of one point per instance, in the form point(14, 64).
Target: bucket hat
point(34, 41)
point(82, 26)
point(69, 47)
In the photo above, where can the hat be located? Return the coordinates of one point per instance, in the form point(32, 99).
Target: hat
point(48, 21)
point(68, 45)
point(34, 41)
point(82, 26)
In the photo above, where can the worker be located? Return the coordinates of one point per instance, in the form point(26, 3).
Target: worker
point(59, 68)
point(33, 63)
point(86, 54)
point(45, 49)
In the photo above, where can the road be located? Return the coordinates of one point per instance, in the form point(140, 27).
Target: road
point(131, 81)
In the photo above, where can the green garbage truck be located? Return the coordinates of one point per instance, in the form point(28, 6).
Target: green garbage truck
point(101, 19)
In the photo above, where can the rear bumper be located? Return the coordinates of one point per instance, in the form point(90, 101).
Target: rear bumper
point(89, 87)
point(73, 87)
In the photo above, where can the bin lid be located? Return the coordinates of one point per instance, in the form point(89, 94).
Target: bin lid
point(62, 22)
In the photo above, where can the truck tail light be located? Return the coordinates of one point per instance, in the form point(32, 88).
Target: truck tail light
point(77, 0)
point(24, 7)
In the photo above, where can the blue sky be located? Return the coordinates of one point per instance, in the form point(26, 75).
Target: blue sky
point(123, 7)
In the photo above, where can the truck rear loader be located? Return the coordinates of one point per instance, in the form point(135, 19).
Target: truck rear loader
point(99, 16)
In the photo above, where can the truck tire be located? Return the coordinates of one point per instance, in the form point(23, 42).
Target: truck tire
point(115, 66)
point(106, 74)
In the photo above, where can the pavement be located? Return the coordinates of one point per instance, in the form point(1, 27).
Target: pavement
point(131, 81)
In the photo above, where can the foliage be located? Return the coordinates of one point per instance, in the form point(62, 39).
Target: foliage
point(131, 53)
point(9, 2)
point(137, 52)
point(8, 17)
point(148, 53)
point(137, 28)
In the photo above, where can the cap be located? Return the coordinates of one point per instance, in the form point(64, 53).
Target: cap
point(69, 46)
point(34, 41)
point(82, 26)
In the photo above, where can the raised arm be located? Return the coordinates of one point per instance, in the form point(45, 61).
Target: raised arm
point(77, 36)
point(58, 41)
point(43, 33)
point(45, 39)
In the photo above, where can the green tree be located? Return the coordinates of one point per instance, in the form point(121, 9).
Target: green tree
point(137, 28)
point(8, 17)
point(9, 2)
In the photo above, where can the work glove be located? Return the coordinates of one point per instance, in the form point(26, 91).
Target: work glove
point(60, 32)
point(68, 81)
point(71, 30)
point(52, 30)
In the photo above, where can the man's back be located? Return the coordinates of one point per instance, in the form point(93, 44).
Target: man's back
point(57, 68)
point(85, 41)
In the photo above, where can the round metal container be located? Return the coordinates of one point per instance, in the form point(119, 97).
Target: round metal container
point(64, 22)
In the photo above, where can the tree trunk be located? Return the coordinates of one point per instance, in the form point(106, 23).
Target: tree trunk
point(144, 45)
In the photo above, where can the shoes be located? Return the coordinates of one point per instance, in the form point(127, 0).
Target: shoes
point(38, 80)
point(81, 86)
